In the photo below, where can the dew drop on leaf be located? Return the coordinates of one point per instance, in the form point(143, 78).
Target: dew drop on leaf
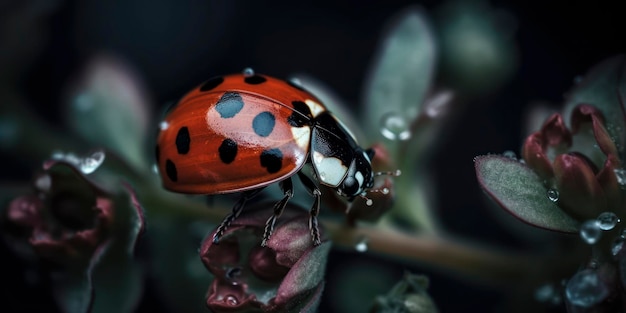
point(553, 195)
point(91, 163)
point(395, 127)
point(590, 232)
point(248, 72)
point(510, 154)
point(607, 220)
point(585, 289)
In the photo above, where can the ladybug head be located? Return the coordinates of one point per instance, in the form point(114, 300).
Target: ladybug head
point(360, 176)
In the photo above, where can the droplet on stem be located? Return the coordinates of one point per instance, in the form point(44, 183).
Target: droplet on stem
point(586, 289)
point(361, 245)
point(607, 220)
point(590, 232)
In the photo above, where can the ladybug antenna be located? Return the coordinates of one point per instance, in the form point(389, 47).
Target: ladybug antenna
point(395, 173)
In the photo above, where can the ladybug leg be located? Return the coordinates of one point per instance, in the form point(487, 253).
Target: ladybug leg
point(287, 187)
point(245, 196)
point(315, 209)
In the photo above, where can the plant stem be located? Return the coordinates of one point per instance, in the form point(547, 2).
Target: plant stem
point(477, 262)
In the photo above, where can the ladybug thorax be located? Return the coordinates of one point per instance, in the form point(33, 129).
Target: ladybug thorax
point(338, 160)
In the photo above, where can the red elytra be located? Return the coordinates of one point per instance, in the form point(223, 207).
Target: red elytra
point(214, 139)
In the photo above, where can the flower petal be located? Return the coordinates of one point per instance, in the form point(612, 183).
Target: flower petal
point(580, 193)
point(615, 197)
point(588, 114)
point(305, 275)
point(534, 155)
point(226, 297)
point(554, 132)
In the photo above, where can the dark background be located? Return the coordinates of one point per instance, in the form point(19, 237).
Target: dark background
point(174, 45)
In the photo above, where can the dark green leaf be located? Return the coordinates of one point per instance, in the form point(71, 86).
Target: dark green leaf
point(520, 191)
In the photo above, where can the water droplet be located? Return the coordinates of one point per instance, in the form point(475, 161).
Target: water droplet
point(384, 191)
point(607, 220)
point(231, 300)
point(617, 245)
point(397, 173)
point(248, 72)
point(91, 163)
point(361, 245)
point(590, 232)
point(510, 154)
point(43, 182)
point(164, 125)
point(586, 289)
point(395, 127)
point(553, 195)
point(620, 174)
point(369, 202)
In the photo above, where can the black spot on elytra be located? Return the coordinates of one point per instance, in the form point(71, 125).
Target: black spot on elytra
point(255, 79)
point(183, 140)
point(157, 153)
point(301, 115)
point(212, 83)
point(272, 159)
point(229, 104)
point(228, 150)
point(170, 170)
point(263, 123)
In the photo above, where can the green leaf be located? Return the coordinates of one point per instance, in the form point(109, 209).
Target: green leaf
point(110, 109)
point(602, 87)
point(520, 191)
point(402, 71)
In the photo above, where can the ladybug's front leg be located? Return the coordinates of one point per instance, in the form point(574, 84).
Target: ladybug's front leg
point(287, 187)
point(245, 196)
point(315, 209)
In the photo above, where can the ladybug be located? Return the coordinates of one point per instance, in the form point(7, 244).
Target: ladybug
point(243, 132)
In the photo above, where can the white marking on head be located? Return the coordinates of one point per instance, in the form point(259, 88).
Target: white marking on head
point(359, 178)
point(330, 171)
point(302, 136)
point(315, 107)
